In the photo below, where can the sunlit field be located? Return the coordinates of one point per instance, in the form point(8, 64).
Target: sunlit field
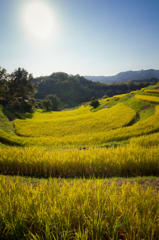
point(151, 91)
point(82, 174)
point(127, 161)
point(148, 98)
point(119, 96)
point(56, 125)
point(146, 141)
point(147, 126)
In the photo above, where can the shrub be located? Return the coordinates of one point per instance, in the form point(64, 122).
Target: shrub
point(8, 114)
point(26, 106)
point(28, 115)
point(19, 115)
point(94, 103)
point(93, 98)
point(66, 106)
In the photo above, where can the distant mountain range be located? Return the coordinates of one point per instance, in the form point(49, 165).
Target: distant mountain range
point(126, 76)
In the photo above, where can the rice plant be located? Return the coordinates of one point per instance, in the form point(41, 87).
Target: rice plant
point(88, 122)
point(152, 99)
point(127, 161)
point(81, 209)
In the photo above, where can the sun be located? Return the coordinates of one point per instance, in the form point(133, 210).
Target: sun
point(39, 19)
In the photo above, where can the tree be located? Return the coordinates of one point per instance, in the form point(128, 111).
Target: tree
point(131, 86)
point(3, 84)
point(47, 104)
point(55, 101)
point(3, 74)
point(32, 101)
point(20, 84)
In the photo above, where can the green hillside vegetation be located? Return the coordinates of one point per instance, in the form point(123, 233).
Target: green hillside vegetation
point(83, 173)
point(5, 124)
point(57, 91)
point(74, 90)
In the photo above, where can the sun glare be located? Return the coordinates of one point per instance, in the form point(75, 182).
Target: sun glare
point(39, 19)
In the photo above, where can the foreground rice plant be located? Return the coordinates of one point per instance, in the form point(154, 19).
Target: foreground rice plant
point(80, 209)
point(113, 162)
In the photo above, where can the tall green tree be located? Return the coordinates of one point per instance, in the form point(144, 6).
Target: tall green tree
point(20, 84)
point(3, 84)
point(47, 104)
point(55, 101)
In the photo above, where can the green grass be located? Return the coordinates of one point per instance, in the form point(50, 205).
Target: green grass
point(136, 104)
point(144, 109)
point(147, 93)
point(5, 124)
point(130, 101)
point(97, 108)
point(3, 145)
point(144, 114)
point(8, 114)
point(112, 102)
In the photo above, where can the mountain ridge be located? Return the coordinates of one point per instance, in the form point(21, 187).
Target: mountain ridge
point(125, 76)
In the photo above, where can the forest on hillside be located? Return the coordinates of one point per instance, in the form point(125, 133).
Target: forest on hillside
point(75, 89)
point(60, 90)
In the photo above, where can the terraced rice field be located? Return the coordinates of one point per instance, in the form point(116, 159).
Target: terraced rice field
point(67, 160)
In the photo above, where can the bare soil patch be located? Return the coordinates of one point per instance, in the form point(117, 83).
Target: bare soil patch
point(146, 107)
point(105, 106)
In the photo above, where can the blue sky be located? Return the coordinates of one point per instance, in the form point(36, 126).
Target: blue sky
point(88, 37)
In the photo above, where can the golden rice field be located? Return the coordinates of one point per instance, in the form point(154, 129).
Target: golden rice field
point(152, 99)
point(133, 92)
point(65, 124)
point(82, 209)
point(119, 96)
point(150, 125)
point(99, 162)
point(146, 141)
point(151, 91)
point(82, 110)
point(59, 194)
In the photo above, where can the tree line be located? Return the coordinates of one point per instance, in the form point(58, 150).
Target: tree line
point(74, 90)
point(60, 90)
point(17, 88)
point(15, 85)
